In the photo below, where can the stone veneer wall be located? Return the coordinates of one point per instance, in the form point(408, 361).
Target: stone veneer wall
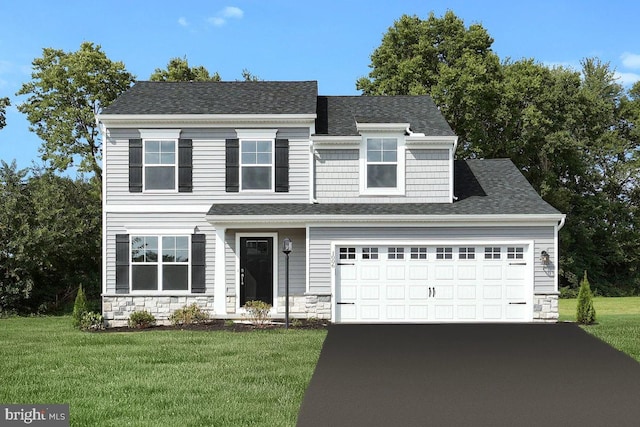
point(117, 309)
point(545, 308)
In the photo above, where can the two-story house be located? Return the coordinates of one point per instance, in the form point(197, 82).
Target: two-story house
point(204, 180)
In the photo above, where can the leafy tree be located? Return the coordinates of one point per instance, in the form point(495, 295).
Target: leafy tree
point(66, 91)
point(248, 77)
point(178, 70)
point(585, 313)
point(4, 103)
point(49, 239)
point(443, 58)
point(16, 230)
point(79, 307)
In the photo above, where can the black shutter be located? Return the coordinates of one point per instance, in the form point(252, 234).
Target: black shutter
point(233, 165)
point(198, 252)
point(185, 166)
point(122, 263)
point(282, 165)
point(135, 165)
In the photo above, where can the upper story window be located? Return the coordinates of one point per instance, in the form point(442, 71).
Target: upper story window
point(160, 164)
point(256, 164)
point(382, 165)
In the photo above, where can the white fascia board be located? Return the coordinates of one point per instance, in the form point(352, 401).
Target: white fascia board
point(204, 120)
point(382, 127)
point(320, 141)
point(186, 208)
point(390, 220)
point(446, 142)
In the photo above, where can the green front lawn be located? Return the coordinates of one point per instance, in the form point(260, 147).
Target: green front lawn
point(617, 321)
point(194, 378)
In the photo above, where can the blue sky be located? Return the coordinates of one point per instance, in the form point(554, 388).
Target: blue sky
point(328, 41)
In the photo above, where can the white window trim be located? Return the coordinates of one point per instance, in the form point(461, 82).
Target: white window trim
point(399, 190)
point(145, 166)
point(257, 135)
point(159, 263)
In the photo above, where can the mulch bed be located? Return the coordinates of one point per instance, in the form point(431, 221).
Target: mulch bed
point(225, 325)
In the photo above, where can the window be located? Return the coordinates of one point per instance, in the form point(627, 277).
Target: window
point(515, 253)
point(256, 164)
point(160, 263)
point(369, 253)
point(382, 163)
point(419, 253)
point(466, 253)
point(444, 253)
point(491, 253)
point(160, 166)
point(347, 253)
point(395, 253)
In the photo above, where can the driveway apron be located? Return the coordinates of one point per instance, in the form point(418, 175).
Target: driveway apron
point(470, 375)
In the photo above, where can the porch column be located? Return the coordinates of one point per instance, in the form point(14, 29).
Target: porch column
point(220, 288)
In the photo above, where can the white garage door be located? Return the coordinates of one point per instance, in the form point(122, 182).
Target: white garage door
point(433, 283)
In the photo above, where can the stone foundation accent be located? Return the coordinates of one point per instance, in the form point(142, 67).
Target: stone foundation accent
point(545, 308)
point(307, 306)
point(117, 309)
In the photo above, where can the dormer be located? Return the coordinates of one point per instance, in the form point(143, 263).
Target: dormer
point(383, 149)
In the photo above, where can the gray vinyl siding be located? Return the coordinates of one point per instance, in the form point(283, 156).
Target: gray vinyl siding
point(320, 239)
point(427, 177)
point(208, 170)
point(121, 223)
point(297, 260)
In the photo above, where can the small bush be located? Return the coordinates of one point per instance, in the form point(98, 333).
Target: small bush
point(296, 323)
point(92, 321)
point(79, 307)
point(229, 323)
point(568, 292)
point(585, 313)
point(188, 315)
point(258, 312)
point(141, 320)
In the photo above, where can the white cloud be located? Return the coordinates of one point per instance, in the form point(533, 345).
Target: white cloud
point(229, 12)
point(232, 12)
point(627, 79)
point(630, 60)
point(183, 21)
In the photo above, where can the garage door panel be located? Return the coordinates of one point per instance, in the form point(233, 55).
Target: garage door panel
point(492, 272)
point(370, 272)
point(370, 292)
point(396, 272)
point(370, 312)
point(418, 292)
point(429, 283)
point(418, 312)
point(467, 312)
point(444, 272)
point(467, 292)
point(467, 272)
point(492, 291)
point(418, 272)
point(444, 312)
point(491, 312)
point(396, 292)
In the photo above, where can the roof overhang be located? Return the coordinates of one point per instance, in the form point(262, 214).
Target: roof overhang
point(257, 221)
point(382, 127)
point(204, 120)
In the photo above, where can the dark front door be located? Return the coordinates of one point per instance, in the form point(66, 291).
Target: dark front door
point(256, 269)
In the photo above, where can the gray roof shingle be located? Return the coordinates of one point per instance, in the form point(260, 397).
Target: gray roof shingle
point(260, 97)
point(483, 187)
point(337, 115)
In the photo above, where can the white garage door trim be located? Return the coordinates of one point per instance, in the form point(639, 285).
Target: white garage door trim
point(527, 282)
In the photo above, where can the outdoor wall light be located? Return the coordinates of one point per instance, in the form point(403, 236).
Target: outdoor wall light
point(544, 258)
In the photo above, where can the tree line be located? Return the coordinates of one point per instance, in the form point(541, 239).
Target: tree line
point(573, 133)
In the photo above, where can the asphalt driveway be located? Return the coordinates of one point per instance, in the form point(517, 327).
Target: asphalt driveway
point(470, 375)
